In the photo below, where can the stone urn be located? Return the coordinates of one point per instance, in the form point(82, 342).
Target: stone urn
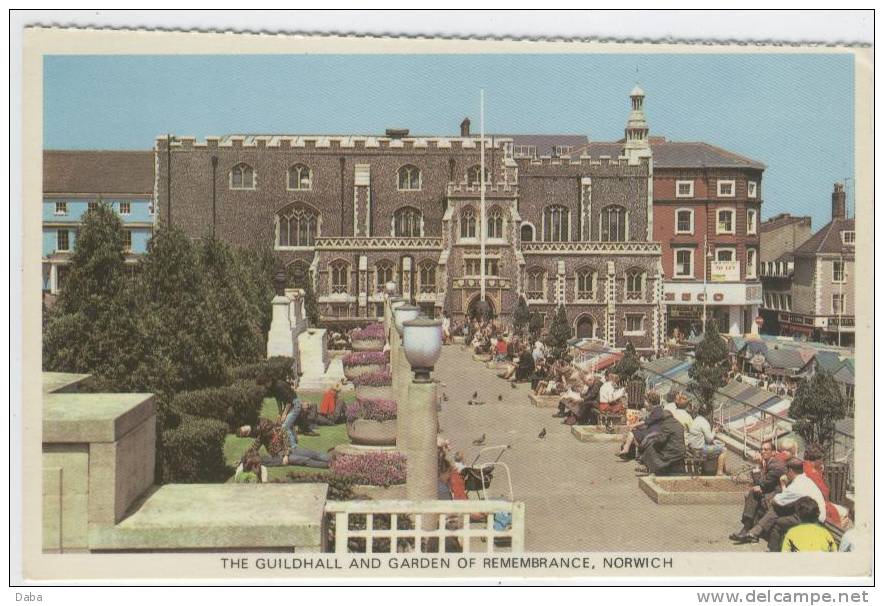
point(374, 392)
point(357, 370)
point(375, 344)
point(368, 432)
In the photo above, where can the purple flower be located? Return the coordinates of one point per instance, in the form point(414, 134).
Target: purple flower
point(366, 358)
point(371, 468)
point(371, 410)
point(379, 378)
point(370, 332)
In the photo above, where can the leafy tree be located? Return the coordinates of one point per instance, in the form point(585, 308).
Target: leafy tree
point(559, 333)
point(629, 364)
point(709, 371)
point(521, 316)
point(311, 306)
point(258, 265)
point(817, 405)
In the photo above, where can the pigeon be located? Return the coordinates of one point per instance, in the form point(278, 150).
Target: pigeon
point(469, 402)
point(479, 441)
point(542, 433)
point(513, 385)
point(444, 397)
point(475, 395)
point(500, 397)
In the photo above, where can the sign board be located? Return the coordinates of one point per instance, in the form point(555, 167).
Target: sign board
point(724, 271)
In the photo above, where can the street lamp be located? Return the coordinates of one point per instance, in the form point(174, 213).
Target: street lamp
point(404, 313)
point(422, 340)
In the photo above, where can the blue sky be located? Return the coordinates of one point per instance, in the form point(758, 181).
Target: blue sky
point(792, 112)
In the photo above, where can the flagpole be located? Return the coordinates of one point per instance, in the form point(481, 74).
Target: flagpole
point(482, 194)
point(705, 261)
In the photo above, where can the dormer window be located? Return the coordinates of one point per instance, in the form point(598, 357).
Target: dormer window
point(242, 176)
point(848, 237)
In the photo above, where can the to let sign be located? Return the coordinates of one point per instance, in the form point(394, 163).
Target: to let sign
point(725, 271)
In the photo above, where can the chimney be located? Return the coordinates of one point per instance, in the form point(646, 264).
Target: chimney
point(465, 128)
point(397, 133)
point(839, 202)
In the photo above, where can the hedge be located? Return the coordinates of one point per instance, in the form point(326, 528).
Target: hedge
point(265, 372)
point(193, 452)
point(235, 405)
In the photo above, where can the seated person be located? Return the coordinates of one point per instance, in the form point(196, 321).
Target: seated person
point(525, 367)
point(808, 534)
point(765, 484)
point(250, 472)
point(611, 396)
point(663, 452)
point(702, 439)
point(587, 410)
point(276, 441)
point(813, 469)
point(500, 350)
point(331, 410)
point(649, 426)
point(678, 409)
point(541, 377)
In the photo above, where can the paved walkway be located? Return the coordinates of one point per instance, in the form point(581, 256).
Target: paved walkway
point(577, 496)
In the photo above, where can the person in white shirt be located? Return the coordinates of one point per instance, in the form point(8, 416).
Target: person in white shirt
point(678, 409)
point(701, 438)
point(781, 516)
point(611, 396)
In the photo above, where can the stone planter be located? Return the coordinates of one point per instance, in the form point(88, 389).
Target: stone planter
point(373, 392)
point(368, 344)
point(351, 372)
point(372, 433)
point(685, 490)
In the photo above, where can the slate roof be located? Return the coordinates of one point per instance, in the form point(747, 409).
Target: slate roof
point(781, 220)
point(828, 239)
point(786, 358)
point(98, 172)
point(677, 154)
point(829, 361)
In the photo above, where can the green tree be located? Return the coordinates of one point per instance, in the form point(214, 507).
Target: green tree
point(535, 325)
point(258, 264)
point(709, 371)
point(311, 306)
point(521, 315)
point(629, 364)
point(817, 405)
point(559, 333)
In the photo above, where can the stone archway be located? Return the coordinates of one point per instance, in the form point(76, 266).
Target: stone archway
point(473, 306)
point(585, 327)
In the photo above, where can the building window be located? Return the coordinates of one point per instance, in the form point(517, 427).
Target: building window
point(242, 176)
point(409, 178)
point(407, 223)
point(61, 208)
point(472, 267)
point(555, 224)
point(527, 232)
point(848, 237)
point(563, 150)
point(492, 267)
point(684, 221)
point(127, 240)
point(725, 221)
point(468, 223)
point(92, 206)
point(495, 223)
point(383, 274)
point(62, 240)
point(525, 151)
point(751, 263)
point(838, 304)
point(684, 263)
point(726, 188)
point(684, 189)
point(125, 208)
point(613, 224)
point(299, 177)
point(752, 189)
point(297, 227)
point(635, 324)
point(428, 277)
point(724, 254)
point(535, 287)
point(473, 175)
point(788, 302)
point(751, 221)
point(586, 284)
point(340, 277)
point(838, 271)
point(634, 285)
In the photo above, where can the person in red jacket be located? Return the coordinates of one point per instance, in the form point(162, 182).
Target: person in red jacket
point(813, 469)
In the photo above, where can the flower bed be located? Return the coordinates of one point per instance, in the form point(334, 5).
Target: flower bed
point(371, 468)
point(370, 338)
point(372, 410)
point(379, 378)
point(366, 358)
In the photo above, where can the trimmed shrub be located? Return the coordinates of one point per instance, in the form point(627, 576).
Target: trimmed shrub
point(235, 405)
point(380, 378)
point(265, 372)
point(371, 410)
point(193, 452)
point(372, 469)
point(365, 358)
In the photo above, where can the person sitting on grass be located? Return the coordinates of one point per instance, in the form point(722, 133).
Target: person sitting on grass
point(277, 442)
point(331, 410)
point(251, 468)
point(702, 439)
point(809, 534)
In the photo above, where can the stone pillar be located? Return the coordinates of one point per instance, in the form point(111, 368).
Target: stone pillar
point(279, 339)
point(401, 380)
point(53, 279)
point(419, 430)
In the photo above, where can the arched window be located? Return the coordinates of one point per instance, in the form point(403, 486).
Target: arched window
point(300, 177)
point(409, 178)
point(468, 223)
point(428, 277)
point(535, 290)
point(298, 226)
point(407, 222)
point(613, 224)
point(635, 282)
point(242, 176)
point(586, 284)
point(555, 224)
point(383, 273)
point(495, 223)
point(473, 175)
point(340, 277)
point(527, 232)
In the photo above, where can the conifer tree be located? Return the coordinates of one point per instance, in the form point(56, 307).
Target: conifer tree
point(521, 316)
point(817, 405)
point(709, 371)
point(559, 333)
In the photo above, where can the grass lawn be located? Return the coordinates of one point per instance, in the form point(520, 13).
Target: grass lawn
point(328, 437)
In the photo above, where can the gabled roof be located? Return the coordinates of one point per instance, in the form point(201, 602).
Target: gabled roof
point(782, 220)
point(829, 361)
point(786, 358)
point(98, 172)
point(828, 239)
point(677, 154)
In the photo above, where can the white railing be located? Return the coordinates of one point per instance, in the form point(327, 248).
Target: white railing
point(425, 526)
